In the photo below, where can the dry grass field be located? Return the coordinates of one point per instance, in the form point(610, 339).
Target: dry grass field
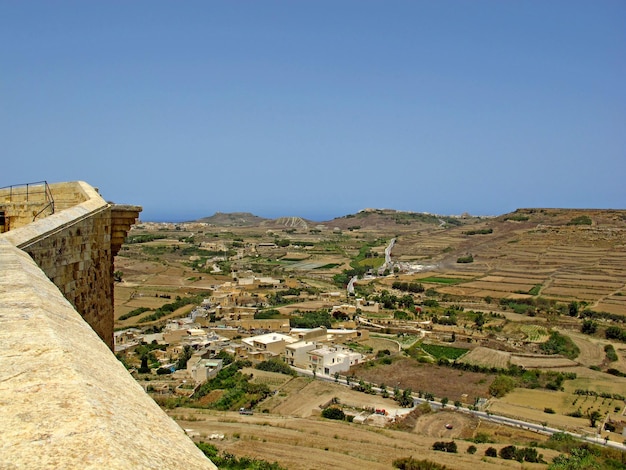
point(441, 381)
point(299, 439)
point(487, 357)
point(307, 444)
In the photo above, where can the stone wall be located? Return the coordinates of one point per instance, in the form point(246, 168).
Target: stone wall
point(65, 401)
point(75, 247)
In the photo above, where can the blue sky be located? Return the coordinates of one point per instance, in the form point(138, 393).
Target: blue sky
point(318, 108)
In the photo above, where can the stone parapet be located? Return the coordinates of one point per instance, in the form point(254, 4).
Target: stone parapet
point(75, 248)
point(66, 402)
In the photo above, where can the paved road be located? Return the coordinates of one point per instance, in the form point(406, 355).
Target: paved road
point(387, 263)
point(351, 284)
point(486, 416)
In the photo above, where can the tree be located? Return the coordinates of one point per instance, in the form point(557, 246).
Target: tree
point(457, 404)
point(594, 416)
point(444, 402)
point(491, 452)
point(572, 309)
point(508, 453)
point(480, 320)
point(144, 368)
point(184, 357)
point(589, 327)
point(501, 385)
point(405, 399)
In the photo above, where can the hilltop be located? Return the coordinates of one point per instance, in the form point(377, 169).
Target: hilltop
point(232, 219)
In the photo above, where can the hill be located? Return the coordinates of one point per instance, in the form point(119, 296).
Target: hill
point(233, 219)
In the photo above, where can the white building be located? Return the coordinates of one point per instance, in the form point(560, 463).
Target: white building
point(273, 343)
point(328, 360)
point(296, 353)
point(202, 369)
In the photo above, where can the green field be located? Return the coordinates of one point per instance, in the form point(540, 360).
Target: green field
point(447, 352)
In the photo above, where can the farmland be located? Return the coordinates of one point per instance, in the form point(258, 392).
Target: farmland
point(532, 276)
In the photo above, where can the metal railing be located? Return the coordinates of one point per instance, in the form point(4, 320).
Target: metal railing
point(30, 192)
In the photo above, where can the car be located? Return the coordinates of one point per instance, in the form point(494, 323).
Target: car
point(448, 426)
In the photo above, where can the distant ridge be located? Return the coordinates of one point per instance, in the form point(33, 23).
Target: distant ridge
point(378, 218)
point(233, 219)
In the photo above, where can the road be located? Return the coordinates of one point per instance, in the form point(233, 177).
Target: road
point(484, 415)
point(387, 263)
point(351, 285)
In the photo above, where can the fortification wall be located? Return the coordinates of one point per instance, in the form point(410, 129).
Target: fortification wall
point(65, 400)
point(75, 247)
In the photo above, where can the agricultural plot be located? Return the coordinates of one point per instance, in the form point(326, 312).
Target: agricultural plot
point(504, 286)
point(538, 361)
point(589, 379)
point(535, 333)
point(441, 280)
point(529, 405)
point(439, 380)
point(613, 304)
point(487, 357)
point(381, 344)
point(274, 380)
point(446, 352)
point(304, 397)
point(591, 351)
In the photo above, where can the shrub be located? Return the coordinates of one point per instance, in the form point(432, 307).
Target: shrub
point(589, 327)
point(471, 449)
point(611, 355)
point(465, 259)
point(615, 372)
point(549, 411)
point(276, 365)
point(445, 446)
point(501, 385)
point(491, 452)
point(267, 314)
point(409, 463)
point(580, 220)
point(333, 412)
point(508, 453)
point(481, 438)
point(560, 344)
point(133, 313)
point(615, 332)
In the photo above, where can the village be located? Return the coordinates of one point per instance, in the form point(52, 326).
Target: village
point(226, 322)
